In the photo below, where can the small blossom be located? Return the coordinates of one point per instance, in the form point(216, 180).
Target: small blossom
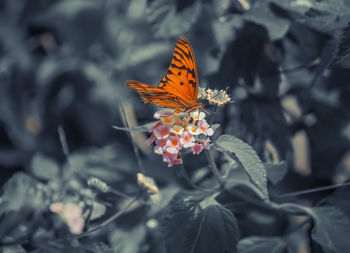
point(193, 129)
point(76, 225)
point(162, 131)
point(155, 126)
point(205, 128)
point(197, 148)
point(158, 150)
point(173, 144)
point(151, 139)
point(167, 157)
point(175, 161)
point(160, 146)
point(71, 210)
point(206, 144)
point(177, 130)
point(187, 140)
point(167, 120)
point(161, 142)
point(161, 114)
point(196, 115)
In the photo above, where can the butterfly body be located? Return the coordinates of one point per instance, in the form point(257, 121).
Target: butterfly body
point(178, 89)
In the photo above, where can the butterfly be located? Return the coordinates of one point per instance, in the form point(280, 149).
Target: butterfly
point(178, 89)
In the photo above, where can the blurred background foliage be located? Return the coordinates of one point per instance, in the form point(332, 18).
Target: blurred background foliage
point(65, 64)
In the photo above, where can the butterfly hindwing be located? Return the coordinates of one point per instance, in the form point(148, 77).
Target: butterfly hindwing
point(158, 96)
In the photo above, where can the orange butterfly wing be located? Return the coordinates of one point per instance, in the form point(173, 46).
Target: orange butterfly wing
point(179, 87)
point(181, 78)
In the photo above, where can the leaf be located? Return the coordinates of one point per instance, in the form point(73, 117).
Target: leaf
point(261, 14)
point(340, 200)
point(20, 191)
point(276, 172)
point(331, 230)
point(101, 247)
point(78, 22)
point(13, 249)
point(255, 244)
point(245, 155)
point(44, 167)
point(110, 164)
point(206, 226)
point(169, 18)
point(343, 51)
point(326, 16)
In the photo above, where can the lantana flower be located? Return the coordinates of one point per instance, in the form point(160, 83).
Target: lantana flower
point(162, 131)
point(174, 132)
point(71, 214)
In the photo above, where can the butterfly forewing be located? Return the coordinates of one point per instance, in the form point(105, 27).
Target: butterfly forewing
point(181, 77)
point(178, 89)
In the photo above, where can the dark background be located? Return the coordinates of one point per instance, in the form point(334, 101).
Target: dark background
point(65, 64)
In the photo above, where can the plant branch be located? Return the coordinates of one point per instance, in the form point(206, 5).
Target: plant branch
point(136, 150)
point(63, 141)
point(318, 189)
point(213, 168)
point(108, 221)
point(189, 181)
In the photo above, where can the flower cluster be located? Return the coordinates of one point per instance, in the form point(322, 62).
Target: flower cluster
point(218, 97)
point(173, 132)
point(71, 214)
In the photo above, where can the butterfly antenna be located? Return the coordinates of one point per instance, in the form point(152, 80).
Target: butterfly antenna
point(207, 111)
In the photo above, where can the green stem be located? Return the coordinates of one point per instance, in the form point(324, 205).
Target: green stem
point(213, 168)
point(194, 186)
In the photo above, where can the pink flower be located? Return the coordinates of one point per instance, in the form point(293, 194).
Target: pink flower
point(173, 144)
point(155, 126)
point(71, 214)
point(71, 210)
point(205, 128)
point(158, 150)
point(162, 131)
point(161, 142)
point(167, 120)
point(160, 146)
point(167, 157)
point(196, 115)
point(193, 129)
point(160, 114)
point(178, 130)
point(187, 140)
point(151, 139)
point(206, 144)
point(56, 207)
point(197, 148)
point(76, 225)
point(175, 161)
